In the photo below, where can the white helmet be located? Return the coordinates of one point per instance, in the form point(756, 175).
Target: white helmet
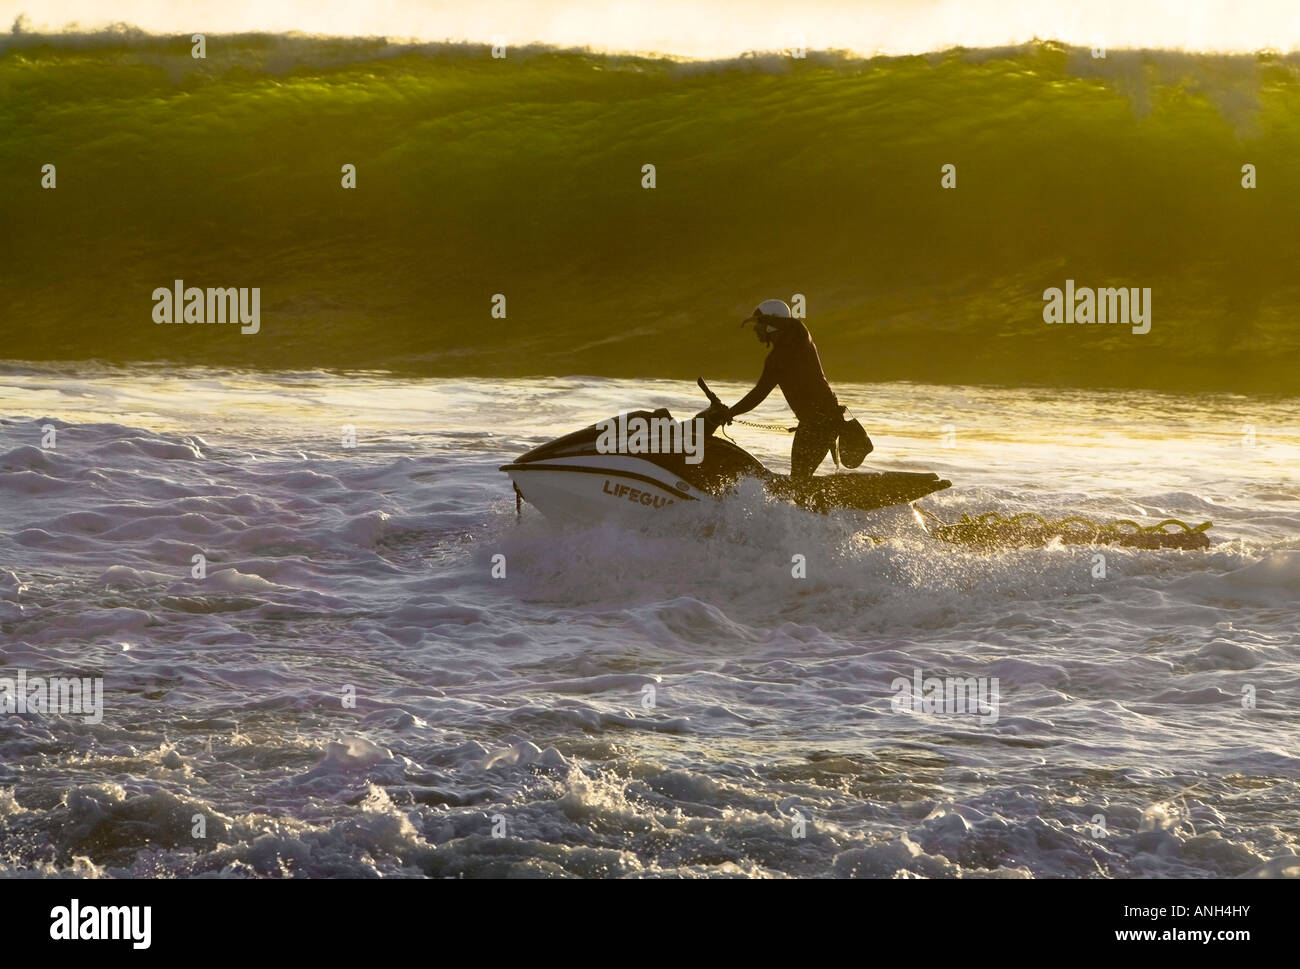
point(771, 307)
point(768, 309)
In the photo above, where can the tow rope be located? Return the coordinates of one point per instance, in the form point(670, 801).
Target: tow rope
point(782, 429)
point(779, 428)
point(992, 530)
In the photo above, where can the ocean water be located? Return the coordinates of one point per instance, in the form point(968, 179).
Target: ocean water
point(522, 178)
point(666, 701)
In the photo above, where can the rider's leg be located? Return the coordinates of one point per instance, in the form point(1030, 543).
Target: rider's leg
point(812, 441)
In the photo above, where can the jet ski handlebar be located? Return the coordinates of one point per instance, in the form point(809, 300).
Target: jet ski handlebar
point(716, 414)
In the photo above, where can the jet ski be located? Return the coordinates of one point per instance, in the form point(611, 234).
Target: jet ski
point(580, 476)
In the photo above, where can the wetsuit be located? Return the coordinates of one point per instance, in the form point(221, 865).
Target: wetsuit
point(794, 366)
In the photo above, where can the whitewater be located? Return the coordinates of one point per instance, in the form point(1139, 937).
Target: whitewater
point(621, 702)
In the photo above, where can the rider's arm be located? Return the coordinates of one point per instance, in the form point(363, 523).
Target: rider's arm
point(766, 383)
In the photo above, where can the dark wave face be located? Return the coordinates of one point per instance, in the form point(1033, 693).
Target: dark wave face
point(523, 177)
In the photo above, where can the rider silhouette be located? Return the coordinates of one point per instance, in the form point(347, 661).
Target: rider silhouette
point(794, 366)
